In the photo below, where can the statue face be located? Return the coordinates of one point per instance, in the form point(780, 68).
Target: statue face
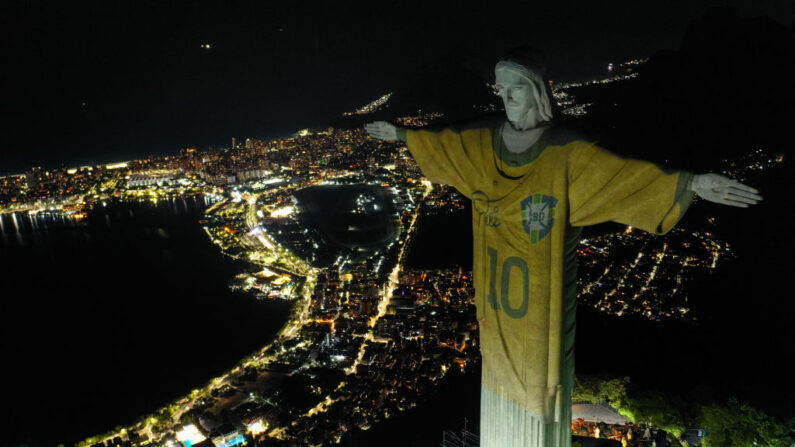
point(516, 92)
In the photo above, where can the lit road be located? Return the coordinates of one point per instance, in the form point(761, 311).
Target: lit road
point(387, 291)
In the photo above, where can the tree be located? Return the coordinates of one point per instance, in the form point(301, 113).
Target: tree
point(738, 424)
point(655, 408)
point(600, 389)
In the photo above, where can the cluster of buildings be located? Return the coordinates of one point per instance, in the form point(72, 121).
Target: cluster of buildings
point(757, 160)
point(305, 157)
point(444, 200)
point(420, 119)
point(371, 107)
point(206, 433)
point(41, 190)
point(150, 178)
point(419, 335)
point(637, 273)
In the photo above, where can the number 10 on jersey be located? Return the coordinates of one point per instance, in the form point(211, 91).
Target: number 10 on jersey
point(504, 302)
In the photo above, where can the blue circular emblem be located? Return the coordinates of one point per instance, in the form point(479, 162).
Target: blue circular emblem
point(538, 216)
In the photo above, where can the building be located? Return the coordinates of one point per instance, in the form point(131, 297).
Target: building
point(228, 436)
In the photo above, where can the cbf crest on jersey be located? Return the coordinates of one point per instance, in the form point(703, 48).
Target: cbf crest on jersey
point(538, 216)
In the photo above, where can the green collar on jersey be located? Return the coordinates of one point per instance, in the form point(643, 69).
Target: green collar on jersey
point(516, 159)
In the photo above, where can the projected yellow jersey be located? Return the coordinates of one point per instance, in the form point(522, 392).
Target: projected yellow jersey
point(527, 214)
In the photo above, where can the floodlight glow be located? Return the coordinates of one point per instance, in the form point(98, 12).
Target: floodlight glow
point(190, 435)
point(280, 280)
point(265, 242)
point(268, 272)
point(257, 427)
point(283, 211)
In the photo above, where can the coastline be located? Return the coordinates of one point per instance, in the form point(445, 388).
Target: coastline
point(170, 413)
point(143, 283)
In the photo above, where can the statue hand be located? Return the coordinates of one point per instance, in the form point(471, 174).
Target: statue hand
point(381, 130)
point(721, 189)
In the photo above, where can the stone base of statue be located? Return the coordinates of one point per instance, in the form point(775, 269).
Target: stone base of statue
point(504, 423)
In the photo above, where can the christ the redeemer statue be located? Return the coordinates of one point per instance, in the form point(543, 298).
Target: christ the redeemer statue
point(533, 186)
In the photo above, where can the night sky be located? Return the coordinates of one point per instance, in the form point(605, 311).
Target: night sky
point(96, 82)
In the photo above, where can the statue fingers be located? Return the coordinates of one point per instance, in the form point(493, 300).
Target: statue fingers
point(738, 185)
point(735, 203)
point(717, 198)
point(744, 193)
point(726, 201)
point(741, 199)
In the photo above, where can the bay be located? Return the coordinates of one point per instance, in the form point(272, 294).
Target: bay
point(106, 321)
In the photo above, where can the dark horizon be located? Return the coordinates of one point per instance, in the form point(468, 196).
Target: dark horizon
point(104, 83)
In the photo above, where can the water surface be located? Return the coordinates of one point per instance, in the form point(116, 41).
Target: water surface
point(105, 321)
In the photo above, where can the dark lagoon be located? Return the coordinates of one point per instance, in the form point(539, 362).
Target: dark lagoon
point(354, 221)
point(105, 321)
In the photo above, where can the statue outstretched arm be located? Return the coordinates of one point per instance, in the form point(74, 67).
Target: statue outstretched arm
point(605, 187)
point(724, 190)
point(446, 156)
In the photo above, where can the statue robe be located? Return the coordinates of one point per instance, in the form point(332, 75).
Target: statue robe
point(526, 224)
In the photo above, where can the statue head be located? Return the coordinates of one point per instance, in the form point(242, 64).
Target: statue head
point(519, 80)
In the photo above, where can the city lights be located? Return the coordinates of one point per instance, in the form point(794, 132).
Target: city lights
point(190, 435)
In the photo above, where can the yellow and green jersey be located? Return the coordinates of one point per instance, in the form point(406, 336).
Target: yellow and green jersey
point(528, 210)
